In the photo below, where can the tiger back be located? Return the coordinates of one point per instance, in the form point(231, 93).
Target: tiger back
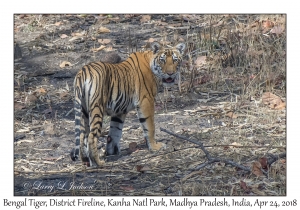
point(115, 89)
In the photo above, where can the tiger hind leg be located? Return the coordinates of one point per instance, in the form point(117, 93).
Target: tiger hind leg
point(115, 134)
point(96, 118)
point(81, 131)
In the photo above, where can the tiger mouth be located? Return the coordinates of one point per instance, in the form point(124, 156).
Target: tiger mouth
point(168, 80)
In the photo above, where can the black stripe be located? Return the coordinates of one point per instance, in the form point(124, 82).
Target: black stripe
point(99, 122)
point(116, 119)
point(95, 128)
point(95, 116)
point(84, 112)
point(84, 72)
point(142, 120)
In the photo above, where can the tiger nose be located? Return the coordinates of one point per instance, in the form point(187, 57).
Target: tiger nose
point(170, 74)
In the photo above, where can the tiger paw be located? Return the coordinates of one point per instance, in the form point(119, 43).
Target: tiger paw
point(95, 163)
point(157, 146)
point(74, 154)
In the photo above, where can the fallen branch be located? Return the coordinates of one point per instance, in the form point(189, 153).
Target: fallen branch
point(274, 158)
point(211, 159)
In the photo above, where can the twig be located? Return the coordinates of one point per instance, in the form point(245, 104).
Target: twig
point(190, 140)
point(69, 112)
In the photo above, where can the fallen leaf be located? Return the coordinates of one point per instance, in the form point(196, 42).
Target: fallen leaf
point(104, 41)
point(244, 186)
point(75, 38)
point(280, 106)
point(127, 188)
point(256, 168)
point(267, 24)
point(235, 144)
point(277, 30)
point(201, 60)
point(231, 115)
point(138, 168)
point(26, 169)
point(58, 23)
point(63, 36)
point(105, 21)
point(283, 161)
point(145, 168)
point(142, 169)
point(128, 15)
point(132, 146)
point(63, 95)
point(218, 24)
point(181, 39)
point(98, 49)
point(41, 91)
point(113, 18)
point(103, 30)
point(264, 162)
point(49, 129)
point(273, 101)
point(65, 64)
point(145, 18)
point(30, 99)
point(77, 34)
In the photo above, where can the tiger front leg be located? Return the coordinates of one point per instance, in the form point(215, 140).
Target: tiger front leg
point(146, 117)
point(115, 134)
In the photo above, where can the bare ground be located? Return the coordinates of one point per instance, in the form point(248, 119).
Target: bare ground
point(231, 123)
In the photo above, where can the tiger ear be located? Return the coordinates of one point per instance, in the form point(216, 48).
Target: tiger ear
point(155, 46)
point(180, 47)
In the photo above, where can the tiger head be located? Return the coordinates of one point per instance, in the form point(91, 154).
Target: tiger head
point(166, 62)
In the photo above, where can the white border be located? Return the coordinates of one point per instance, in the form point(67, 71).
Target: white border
point(152, 6)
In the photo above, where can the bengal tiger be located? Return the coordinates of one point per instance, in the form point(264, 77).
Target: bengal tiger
point(115, 89)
